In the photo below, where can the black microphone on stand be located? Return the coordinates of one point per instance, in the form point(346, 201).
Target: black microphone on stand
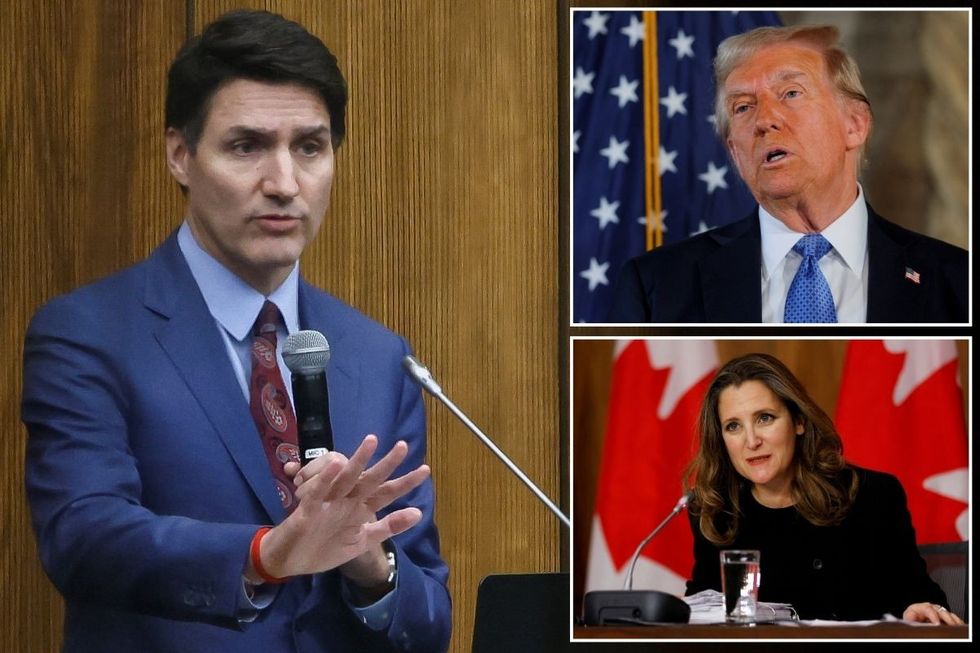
point(637, 606)
point(306, 354)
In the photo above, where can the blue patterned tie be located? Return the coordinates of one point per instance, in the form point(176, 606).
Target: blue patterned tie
point(809, 298)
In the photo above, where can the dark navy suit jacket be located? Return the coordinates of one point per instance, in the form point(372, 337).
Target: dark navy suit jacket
point(716, 277)
point(146, 477)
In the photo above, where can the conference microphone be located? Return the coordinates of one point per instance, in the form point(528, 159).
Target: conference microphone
point(306, 354)
point(421, 375)
point(640, 606)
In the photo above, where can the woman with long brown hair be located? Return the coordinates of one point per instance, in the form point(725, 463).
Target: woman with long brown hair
point(836, 540)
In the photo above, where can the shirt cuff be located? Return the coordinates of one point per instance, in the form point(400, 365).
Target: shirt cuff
point(376, 616)
point(254, 598)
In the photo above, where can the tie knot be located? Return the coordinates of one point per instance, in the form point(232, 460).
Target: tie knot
point(268, 319)
point(814, 245)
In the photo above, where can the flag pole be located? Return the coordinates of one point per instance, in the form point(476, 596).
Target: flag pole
point(651, 133)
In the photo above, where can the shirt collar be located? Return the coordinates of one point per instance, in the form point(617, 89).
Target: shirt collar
point(848, 234)
point(232, 302)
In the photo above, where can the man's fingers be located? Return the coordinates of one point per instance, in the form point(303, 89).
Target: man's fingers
point(378, 473)
point(316, 485)
point(333, 459)
point(398, 487)
point(392, 524)
point(347, 479)
point(292, 470)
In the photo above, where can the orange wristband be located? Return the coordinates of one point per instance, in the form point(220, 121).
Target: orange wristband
point(253, 553)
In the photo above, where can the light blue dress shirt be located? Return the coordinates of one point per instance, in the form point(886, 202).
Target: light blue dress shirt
point(235, 305)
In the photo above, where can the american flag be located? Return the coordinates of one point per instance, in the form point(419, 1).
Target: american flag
point(700, 187)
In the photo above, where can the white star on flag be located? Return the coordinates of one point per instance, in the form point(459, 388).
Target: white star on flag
point(674, 102)
point(596, 24)
point(575, 135)
point(702, 227)
point(682, 43)
point(666, 161)
point(635, 31)
point(582, 83)
point(663, 220)
point(596, 274)
point(606, 212)
point(616, 152)
point(625, 91)
point(714, 177)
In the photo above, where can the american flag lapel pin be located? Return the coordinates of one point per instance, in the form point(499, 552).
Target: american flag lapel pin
point(912, 275)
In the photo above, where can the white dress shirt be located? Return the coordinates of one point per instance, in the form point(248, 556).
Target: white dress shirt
point(845, 266)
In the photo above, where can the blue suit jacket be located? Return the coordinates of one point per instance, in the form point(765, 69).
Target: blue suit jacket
point(715, 277)
point(146, 477)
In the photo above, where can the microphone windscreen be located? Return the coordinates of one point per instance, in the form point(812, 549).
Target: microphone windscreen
point(306, 351)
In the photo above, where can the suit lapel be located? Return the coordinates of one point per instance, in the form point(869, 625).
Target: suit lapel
point(731, 277)
point(891, 297)
point(193, 343)
point(342, 370)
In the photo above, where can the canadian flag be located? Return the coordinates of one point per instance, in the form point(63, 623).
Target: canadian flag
point(901, 411)
point(657, 388)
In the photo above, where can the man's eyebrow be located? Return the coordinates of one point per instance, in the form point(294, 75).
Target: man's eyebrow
point(788, 75)
point(242, 130)
point(310, 132)
point(258, 132)
point(780, 76)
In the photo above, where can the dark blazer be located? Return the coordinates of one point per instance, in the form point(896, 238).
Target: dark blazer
point(147, 480)
point(864, 567)
point(716, 277)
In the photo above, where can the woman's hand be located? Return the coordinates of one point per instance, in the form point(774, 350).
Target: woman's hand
point(931, 613)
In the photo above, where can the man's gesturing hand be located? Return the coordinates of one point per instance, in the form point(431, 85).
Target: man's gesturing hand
point(334, 522)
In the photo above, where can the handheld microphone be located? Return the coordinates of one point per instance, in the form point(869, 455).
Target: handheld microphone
point(421, 375)
point(641, 606)
point(306, 354)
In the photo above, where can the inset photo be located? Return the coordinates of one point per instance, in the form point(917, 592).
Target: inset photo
point(810, 488)
point(779, 167)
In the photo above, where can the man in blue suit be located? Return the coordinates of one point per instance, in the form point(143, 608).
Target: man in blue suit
point(792, 110)
point(156, 498)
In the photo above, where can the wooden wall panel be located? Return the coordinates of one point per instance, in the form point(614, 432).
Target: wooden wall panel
point(443, 226)
point(817, 363)
point(85, 193)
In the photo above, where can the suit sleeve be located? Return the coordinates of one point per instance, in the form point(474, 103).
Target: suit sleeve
point(706, 574)
point(902, 574)
point(422, 615)
point(629, 301)
point(96, 541)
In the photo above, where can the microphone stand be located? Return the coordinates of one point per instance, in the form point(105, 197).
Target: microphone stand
point(421, 375)
point(637, 606)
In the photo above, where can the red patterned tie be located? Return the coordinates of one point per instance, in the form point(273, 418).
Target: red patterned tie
point(271, 410)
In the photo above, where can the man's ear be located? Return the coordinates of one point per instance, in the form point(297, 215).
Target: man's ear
point(178, 155)
point(857, 123)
